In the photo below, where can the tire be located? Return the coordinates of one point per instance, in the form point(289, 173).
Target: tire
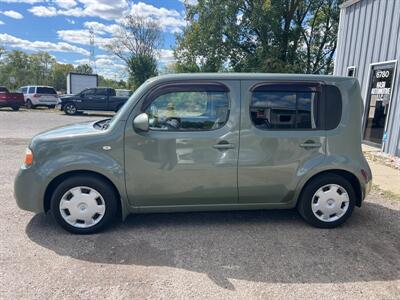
point(70, 109)
point(84, 204)
point(29, 104)
point(15, 108)
point(327, 201)
point(51, 106)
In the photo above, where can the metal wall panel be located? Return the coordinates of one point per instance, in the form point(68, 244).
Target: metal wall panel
point(369, 32)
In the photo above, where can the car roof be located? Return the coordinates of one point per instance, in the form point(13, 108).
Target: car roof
point(249, 76)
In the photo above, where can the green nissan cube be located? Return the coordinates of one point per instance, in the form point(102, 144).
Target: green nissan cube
point(205, 142)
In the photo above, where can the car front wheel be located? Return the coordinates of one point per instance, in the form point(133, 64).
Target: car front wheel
point(327, 201)
point(83, 204)
point(70, 109)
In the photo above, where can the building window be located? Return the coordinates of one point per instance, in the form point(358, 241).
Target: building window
point(351, 71)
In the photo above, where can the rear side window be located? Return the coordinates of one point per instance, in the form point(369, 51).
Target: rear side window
point(285, 106)
point(101, 92)
point(46, 90)
point(31, 90)
point(188, 109)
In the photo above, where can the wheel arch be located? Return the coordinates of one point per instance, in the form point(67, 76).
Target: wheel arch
point(349, 176)
point(53, 184)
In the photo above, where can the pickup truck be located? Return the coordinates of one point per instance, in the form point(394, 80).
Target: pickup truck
point(99, 99)
point(13, 100)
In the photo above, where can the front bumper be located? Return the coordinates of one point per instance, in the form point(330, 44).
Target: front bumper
point(27, 191)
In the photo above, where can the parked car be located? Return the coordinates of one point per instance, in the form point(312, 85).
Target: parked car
point(36, 95)
point(99, 99)
point(13, 100)
point(198, 142)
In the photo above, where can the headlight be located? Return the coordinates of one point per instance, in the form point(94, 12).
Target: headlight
point(28, 157)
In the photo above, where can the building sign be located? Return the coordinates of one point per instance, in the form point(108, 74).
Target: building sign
point(382, 84)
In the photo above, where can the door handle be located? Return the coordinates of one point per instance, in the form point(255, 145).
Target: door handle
point(310, 144)
point(223, 145)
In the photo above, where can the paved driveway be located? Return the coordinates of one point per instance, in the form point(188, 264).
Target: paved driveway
point(246, 255)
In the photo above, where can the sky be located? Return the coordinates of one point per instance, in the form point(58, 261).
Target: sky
point(61, 27)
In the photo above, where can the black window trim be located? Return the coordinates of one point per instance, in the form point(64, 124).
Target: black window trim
point(186, 86)
point(314, 86)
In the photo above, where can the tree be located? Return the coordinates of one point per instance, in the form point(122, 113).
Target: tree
point(137, 43)
point(16, 65)
point(259, 36)
point(84, 69)
point(40, 66)
point(59, 75)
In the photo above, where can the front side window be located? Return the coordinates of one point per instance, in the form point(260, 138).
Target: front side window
point(87, 93)
point(189, 110)
point(31, 90)
point(284, 108)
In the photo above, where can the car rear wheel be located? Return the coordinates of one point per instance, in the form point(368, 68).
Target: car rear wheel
point(70, 109)
point(15, 108)
point(83, 204)
point(327, 201)
point(29, 104)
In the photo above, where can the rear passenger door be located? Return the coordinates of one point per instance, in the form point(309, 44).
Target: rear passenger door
point(100, 99)
point(280, 138)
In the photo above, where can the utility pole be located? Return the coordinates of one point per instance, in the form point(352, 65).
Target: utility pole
point(92, 59)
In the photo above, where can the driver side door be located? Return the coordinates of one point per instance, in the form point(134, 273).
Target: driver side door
point(189, 156)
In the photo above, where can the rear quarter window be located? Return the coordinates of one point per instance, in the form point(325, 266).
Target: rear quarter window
point(332, 107)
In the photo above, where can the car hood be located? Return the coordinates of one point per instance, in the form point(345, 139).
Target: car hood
point(67, 132)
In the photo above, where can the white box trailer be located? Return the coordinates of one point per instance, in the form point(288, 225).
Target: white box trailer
point(77, 82)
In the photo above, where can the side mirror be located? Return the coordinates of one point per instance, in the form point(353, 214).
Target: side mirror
point(141, 122)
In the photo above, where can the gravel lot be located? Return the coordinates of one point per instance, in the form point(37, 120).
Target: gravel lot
point(245, 255)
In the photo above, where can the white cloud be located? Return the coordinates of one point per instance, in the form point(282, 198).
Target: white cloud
point(22, 1)
point(70, 21)
point(12, 14)
point(101, 28)
point(82, 37)
point(190, 2)
point(166, 56)
point(168, 19)
point(43, 11)
point(1, 22)
point(65, 3)
point(105, 9)
point(14, 42)
point(108, 66)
